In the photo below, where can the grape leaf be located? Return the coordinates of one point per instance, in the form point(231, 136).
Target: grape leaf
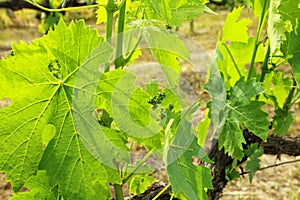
point(187, 11)
point(258, 7)
point(141, 122)
point(235, 30)
point(253, 152)
point(166, 47)
point(283, 20)
point(203, 130)
point(106, 88)
point(231, 173)
point(158, 9)
point(101, 12)
point(277, 86)
point(127, 106)
point(39, 187)
point(184, 176)
point(294, 50)
point(282, 121)
point(232, 139)
point(175, 12)
point(139, 183)
point(237, 53)
point(217, 90)
point(39, 79)
point(241, 110)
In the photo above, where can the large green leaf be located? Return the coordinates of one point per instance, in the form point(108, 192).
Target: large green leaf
point(294, 50)
point(242, 111)
point(167, 48)
point(39, 79)
point(186, 179)
point(283, 21)
point(217, 90)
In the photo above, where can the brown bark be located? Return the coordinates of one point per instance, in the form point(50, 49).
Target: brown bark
point(278, 145)
point(275, 146)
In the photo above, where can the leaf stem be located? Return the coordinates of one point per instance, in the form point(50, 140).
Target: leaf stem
point(296, 98)
point(264, 68)
point(162, 191)
point(119, 60)
point(138, 166)
point(287, 104)
point(118, 192)
point(233, 60)
point(34, 3)
point(252, 61)
point(109, 29)
point(121, 4)
point(257, 39)
point(132, 52)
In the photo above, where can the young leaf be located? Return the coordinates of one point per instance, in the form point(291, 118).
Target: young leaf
point(158, 9)
point(162, 44)
point(277, 86)
point(139, 183)
point(258, 7)
point(231, 173)
point(235, 30)
point(235, 56)
point(253, 152)
point(101, 12)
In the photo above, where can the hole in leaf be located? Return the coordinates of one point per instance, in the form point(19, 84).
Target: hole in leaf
point(5, 102)
point(55, 69)
point(5, 186)
point(196, 161)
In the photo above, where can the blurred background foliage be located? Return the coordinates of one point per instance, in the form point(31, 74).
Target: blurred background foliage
point(46, 20)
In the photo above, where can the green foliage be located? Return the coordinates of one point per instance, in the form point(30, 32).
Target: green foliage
point(39, 96)
point(253, 152)
point(174, 12)
point(73, 121)
point(235, 30)
point(231, 173)
point(40, 188)
point(241, 111)
point(139, 183)
point(49, 20)
point(186, 178)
